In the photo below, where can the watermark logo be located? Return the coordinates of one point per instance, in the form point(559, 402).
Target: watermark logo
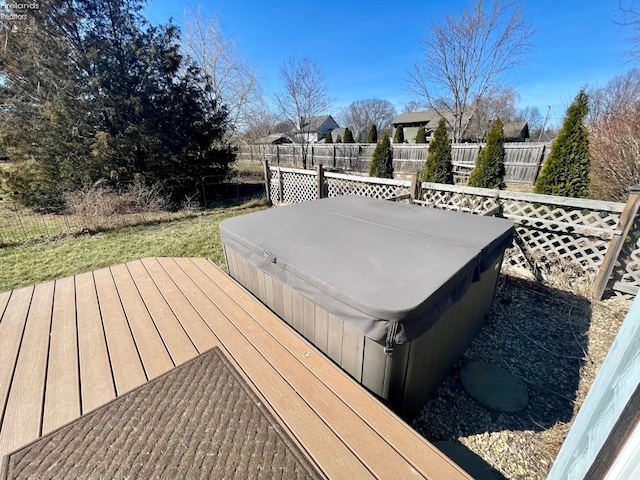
point(16, 12)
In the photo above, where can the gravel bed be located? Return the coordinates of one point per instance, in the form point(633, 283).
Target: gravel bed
point(555, 341)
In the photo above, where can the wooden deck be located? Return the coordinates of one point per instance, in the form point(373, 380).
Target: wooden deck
point(71, 345)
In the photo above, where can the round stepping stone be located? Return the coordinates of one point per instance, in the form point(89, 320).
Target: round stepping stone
point(494, 387)
point(466, 459)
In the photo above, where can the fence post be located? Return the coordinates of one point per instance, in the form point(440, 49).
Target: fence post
point(538, 165)
point(280, 186)
point(267, 179)
point(415, 187)
point(319, 181)
point(615, 246)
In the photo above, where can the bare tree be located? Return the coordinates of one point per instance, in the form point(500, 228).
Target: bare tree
point(232, 79)
point(534, 119)
point(531, 115)
point(628, 15)
point(361, 114)
point(614, 149)
point(413, 106)
point(263, 123)
point(303, 97)
point(498, 103)
point(465, 58)
point(620, 92)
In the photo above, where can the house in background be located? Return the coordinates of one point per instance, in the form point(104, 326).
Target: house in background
point(516, 131)
point(315, 128)
point(412, 121)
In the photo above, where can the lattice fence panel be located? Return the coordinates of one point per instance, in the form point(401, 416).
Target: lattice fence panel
point(514, 257)
point(550, 248)
point(557, 217)
point(298, 187)
point(626, 275)
point(459, 202)
point(274, 187)
point(556, 235)
point(339, 186)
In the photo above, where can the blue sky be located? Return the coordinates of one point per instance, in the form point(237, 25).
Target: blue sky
point(365, 48)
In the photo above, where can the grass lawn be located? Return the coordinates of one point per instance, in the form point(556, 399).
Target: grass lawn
point(41, 261)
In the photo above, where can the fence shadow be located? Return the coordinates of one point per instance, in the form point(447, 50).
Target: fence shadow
point(537, 333)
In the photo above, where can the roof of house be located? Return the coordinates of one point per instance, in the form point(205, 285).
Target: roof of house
point(514, 129)
point(417, 117)
point(315, 123)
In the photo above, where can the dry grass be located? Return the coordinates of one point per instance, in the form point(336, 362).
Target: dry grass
point(35, 262)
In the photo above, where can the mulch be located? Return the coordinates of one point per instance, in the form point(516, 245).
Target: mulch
point(554, 341)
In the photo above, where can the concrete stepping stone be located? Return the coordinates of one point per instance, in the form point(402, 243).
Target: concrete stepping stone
point(466, 459)
point(494, 387)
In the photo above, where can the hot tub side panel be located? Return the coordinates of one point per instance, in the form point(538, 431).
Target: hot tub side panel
point(406, 379)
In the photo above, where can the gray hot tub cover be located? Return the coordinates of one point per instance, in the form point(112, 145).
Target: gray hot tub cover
point(371, 262)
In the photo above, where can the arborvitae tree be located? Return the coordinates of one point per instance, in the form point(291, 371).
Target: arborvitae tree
point(421, 136)
point(328, 138)
point(438, 167)
point(348, 136)
point(398, 136)
point(372, 137)
point(382, 160)
point(489, 171)
point(566, 171)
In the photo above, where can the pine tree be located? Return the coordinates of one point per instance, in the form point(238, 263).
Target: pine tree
point(438, 167)
point(328, 138)
point(348, 136)
point(566, 171)
point(489, 171)
point(382, 160)
point(372, 137)
point(421, 137)
point(118, 102)
point(398, 136)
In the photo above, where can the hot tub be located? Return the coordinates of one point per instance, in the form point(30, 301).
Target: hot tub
point(392, 293)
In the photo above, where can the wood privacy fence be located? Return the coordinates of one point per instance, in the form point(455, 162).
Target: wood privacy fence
point(582, 239)
point(522, 162)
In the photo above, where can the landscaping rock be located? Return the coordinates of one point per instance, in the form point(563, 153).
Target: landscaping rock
point(494, 387)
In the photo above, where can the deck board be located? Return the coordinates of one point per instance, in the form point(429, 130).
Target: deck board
point(11, 329)
point(153, 351)
point(85, 339)
point(126, 365)
point(62, 393)
point(22, 419)
point(97, 386)
point(179, 345)
point(4, 300)
point(199, 332)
